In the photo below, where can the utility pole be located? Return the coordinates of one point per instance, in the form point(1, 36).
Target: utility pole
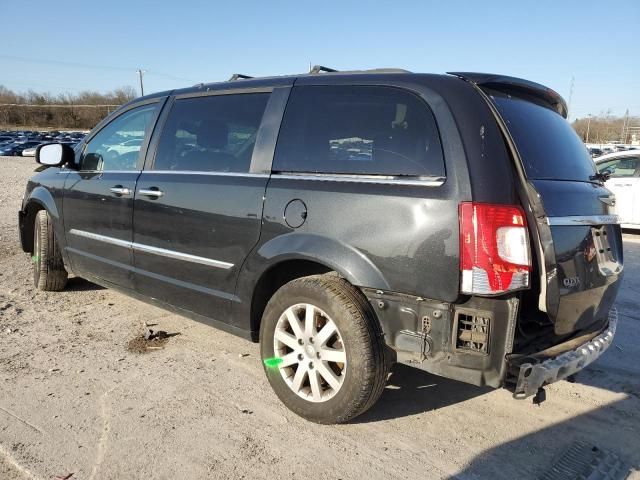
point(623, 136)
point(588, 126)
point(570, 98)
point(140, 74)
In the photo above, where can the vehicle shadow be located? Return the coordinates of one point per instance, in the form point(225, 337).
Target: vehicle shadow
point(410, 391)
point(77, 284)
point(607, 378)
point(612, 428)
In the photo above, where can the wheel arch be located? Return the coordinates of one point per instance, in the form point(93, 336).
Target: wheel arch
point(39, 199)
point(296, 255)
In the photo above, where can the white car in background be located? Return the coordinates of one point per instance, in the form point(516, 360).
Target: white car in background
point(31, 152)
point(132, 145)
point(624, 170)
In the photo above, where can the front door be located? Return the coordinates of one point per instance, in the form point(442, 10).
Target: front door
point(98, 198)
point(198, 208)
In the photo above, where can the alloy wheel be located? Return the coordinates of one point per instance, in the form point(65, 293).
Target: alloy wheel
point(310, 352)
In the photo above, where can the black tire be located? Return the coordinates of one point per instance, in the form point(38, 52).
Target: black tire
point(367, 367)
point(49, 273)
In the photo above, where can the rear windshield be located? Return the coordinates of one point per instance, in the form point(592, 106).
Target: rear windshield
point(549, 147)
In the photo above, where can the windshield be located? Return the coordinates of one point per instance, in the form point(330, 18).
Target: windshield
point(548, 146)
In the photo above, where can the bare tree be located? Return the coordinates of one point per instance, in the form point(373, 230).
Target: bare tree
point(41, 109)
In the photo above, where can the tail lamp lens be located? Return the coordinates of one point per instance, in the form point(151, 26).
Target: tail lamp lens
point(494, 248)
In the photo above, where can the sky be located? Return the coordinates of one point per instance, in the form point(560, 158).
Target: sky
point(69, 46)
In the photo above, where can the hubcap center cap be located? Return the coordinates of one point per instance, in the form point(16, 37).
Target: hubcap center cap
point(310, 351)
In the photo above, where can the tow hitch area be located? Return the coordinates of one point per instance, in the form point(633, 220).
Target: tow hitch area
point(540, 397)
point(533, 376)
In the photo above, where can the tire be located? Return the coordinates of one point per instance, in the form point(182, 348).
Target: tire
point(358, 339)
point(49, 273)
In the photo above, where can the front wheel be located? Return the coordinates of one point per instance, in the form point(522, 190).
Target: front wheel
point(322, 349)
point(48, 268)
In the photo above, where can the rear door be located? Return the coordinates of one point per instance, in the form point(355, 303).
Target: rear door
point(198, 205)
point(98, 198)
point(579, 235)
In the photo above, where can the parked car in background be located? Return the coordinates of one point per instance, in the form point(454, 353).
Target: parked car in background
point(31, 152)
point(623, 170)
point(16, 149)
point(595, 152)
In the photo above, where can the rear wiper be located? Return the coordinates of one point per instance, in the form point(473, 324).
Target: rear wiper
point(601, 176)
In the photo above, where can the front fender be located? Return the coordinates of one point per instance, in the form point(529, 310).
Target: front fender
point(41, 198)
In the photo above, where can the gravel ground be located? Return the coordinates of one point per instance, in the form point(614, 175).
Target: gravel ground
point(73, 399)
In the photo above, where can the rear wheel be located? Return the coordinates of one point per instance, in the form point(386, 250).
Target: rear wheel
point(322, 349)
point(48, 268)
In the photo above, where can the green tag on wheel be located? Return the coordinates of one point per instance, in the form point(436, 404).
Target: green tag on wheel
point(272, 362)
point(35, 259)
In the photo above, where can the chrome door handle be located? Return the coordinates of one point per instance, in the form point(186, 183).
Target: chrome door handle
point(151, 192)
point(120, 190)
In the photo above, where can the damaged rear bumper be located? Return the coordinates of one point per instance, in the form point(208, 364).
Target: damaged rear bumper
point(536, 373)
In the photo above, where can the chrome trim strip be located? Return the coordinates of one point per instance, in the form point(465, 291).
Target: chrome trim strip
point(380, 179)
point(584, 220)
point(154, 250)
point(101, 238)
point(103, 171)
point(198, 172)
point(181, 256)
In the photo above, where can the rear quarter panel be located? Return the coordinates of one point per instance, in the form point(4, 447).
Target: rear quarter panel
point(409, 233)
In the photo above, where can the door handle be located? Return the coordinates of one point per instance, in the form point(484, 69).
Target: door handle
point(120, 190)
point(154, 192)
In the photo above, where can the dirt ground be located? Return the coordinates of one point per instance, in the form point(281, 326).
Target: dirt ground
point(75, 400)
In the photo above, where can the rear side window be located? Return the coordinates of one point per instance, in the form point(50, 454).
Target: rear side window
point(358, 130)
point(211, 134)
point(549, 147)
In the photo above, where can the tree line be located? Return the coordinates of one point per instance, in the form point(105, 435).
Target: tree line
point(85, 109)
point(606, 128)
point(72, 111)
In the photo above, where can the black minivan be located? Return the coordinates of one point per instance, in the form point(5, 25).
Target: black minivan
point(346, 221)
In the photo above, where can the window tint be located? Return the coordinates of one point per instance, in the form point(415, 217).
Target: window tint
point(358, 130)
point(117, 146)
point(214, 133)
point(620, 167)
point(549, 147)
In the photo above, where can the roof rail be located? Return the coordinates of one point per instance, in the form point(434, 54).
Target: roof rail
point(239, 76)
point(320, 68)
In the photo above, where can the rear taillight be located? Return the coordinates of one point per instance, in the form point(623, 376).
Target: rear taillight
point(494, 248)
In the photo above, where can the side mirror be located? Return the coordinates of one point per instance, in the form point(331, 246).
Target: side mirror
point(54, 154)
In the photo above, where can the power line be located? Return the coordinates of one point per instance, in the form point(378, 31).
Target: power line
point(53, 105)
point(65, 63)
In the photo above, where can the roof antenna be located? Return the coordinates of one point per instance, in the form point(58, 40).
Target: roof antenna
point(239, 76)
point(320, 68)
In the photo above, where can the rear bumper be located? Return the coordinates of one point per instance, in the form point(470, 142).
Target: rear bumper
point(533, 376)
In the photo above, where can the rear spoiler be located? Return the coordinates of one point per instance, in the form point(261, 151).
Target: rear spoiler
point(506, 84)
